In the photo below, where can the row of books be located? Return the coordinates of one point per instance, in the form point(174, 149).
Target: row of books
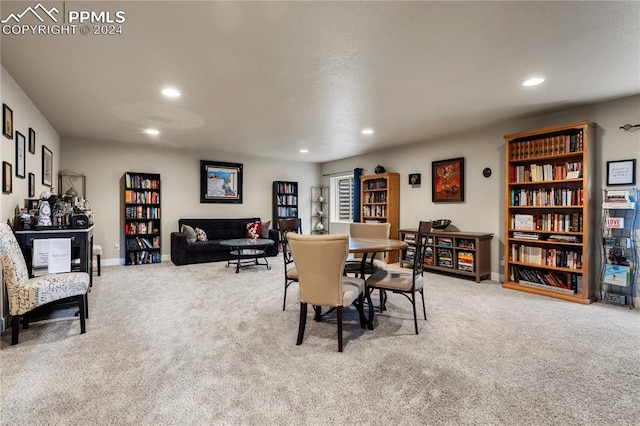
point(374, 211)
point(445, 258)
point(144, 197)
point(287, 199)
point(559, 238)
point(375, 184)
point(143, 257)
point(137, 181)
point(444, 241)
point(375, 197)
point(140, 243)
point(132, 228)
point(569, 283)
point(553, 257)
point(287, 188)
point(554, 222)
point(551, 145)
point(547, 197)
point(466, 243)
point(140, 212)
point(543, 172)
point(284, 212)
point(465, 261)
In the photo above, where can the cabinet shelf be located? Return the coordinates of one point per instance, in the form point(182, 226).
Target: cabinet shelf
point(537, 165)
point(380, 198)
point(319, 203)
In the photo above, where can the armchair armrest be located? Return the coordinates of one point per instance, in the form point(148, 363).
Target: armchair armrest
point(178, 248)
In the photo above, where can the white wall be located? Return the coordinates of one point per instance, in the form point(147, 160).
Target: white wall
point(483, 208)
point(104, 165)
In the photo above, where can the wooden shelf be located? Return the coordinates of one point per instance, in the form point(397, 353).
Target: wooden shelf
point(380, 197)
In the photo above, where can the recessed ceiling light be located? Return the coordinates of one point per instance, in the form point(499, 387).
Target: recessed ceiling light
point(533, 81)
point(152, 132)
point(304, 151)
point(367, 132)
point(170, 92)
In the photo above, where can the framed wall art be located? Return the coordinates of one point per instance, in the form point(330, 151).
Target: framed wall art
point(7, 121)
point(220, 182)
point(7, 177)
point(32, 141)
point(47, 166)
point(21, 149)
point(447, 180)
point(621, 172)
point(32, 185)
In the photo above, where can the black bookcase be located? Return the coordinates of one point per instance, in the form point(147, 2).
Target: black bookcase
point(285, 201)
point(141, 218)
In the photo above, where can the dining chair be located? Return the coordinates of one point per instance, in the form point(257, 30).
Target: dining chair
point(376, 262)
point(320, 261)
point(25, 294)
point(406, 284)
point(285, 226)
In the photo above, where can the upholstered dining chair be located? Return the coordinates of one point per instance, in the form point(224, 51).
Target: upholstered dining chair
point(320, 260)
point(407, 284)
point(285, 226)
point(367, 230)
point(25, 294)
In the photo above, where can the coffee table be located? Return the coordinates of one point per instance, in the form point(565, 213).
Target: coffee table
point(247, 252)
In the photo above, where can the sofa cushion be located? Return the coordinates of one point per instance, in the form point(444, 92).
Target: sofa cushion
point(265, 229)
point(190, 233)
point(254, 229)
point(205, 247)
point(201, 235)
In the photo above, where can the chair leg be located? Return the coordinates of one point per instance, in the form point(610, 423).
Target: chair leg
point(98, 259)
point(415, 315)
point(15, 329)
point(86, 304)
point(360, 307)
point(424, 310)
point(284, 302)
point(25, 321)
point(339, 318)
point(82, 310)
point(370, 320)
point(303, 322)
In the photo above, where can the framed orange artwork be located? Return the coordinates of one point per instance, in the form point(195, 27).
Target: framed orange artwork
point(447, 180)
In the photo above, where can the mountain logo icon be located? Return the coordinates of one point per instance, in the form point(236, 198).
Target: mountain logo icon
point(38, 11)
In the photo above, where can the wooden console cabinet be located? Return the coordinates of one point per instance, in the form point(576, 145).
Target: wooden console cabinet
point(461, 253)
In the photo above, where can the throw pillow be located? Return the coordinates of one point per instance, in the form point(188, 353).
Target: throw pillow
point(190, 233)
point(254, 229)
point(201, 235)
point(265, 229)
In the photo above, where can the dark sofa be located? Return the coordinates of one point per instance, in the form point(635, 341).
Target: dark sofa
point(183, 253)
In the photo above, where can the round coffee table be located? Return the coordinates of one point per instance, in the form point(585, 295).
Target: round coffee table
point(247, 252)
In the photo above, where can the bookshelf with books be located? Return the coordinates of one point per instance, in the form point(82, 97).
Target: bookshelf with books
point(380, 198)
point(455, 252)
point(549, 212)
point(141, 218)
point(619, 271)
point(285, 201)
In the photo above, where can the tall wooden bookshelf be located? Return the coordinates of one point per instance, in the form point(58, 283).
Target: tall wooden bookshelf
point(285, 201)
point(380, 198)
point(549, 212)
point(141, 218)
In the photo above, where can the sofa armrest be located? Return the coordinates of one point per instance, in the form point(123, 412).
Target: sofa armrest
point(275, 236)
point(178, 248)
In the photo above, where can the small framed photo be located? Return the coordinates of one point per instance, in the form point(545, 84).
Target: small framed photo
point(32, 141)
point(621, 172)
point(32, 185)
point(7, 121)
point(447, 180)
point(220, 182)
point(7, 177)
point(47, 166)
point(21, 150)
point(414, 179)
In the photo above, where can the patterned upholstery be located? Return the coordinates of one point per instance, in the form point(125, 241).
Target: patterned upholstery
point(26, 294)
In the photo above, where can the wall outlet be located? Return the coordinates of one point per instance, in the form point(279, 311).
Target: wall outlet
point(116, 246)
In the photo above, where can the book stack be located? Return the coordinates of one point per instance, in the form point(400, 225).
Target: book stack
point(465, 261)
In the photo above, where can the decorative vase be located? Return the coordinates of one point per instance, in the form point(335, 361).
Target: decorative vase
point(379, 169)
point(319, 226)
point(320, 199)
point(320, 213)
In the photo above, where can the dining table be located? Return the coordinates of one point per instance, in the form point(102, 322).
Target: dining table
point(368, 247)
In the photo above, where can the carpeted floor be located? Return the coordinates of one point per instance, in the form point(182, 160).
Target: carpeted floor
point(200, 344)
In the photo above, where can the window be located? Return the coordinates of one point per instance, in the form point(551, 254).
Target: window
point(342, 199)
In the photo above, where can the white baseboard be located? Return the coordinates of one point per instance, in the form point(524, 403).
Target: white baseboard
point(120, 261)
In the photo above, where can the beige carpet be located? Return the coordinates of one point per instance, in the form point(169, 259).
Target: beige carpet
point(200, 344)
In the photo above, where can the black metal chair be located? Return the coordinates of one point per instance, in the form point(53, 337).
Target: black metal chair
point(290, 272)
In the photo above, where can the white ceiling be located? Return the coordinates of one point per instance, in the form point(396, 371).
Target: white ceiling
point(270, 78)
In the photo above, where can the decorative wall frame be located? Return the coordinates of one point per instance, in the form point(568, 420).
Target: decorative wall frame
point(7, 177)
point(47, 166)
point(447, 180)
point(32, 141)
point(7, 121)
point(220, 182)
point(32, 185)
point(414, 179)
point(621, 172)
point(21, 153)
